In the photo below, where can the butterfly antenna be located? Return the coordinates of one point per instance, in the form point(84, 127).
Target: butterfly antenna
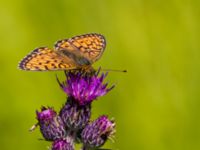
point(100, 149)
point(114, 70)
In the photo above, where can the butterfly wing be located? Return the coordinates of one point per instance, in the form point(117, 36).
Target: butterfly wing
point(43, 59)
point(88, 46)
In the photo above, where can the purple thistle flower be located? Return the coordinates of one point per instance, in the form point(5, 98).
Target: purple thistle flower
point(85, 88)
point(51, 125)
point(63, 144)
point(74, 116)
point(97, 132)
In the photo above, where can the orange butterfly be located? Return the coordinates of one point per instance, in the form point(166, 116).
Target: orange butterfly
point(78, 52)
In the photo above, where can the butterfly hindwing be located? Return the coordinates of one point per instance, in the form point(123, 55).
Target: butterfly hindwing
point(43, 59)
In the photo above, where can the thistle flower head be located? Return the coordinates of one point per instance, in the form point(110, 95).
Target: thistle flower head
point(96, 133)
point(51, 125)
point(63, 144)
point(75, 116)
point(45, 114)
point(85, 88)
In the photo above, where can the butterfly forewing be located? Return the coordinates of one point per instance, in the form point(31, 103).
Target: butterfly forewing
point(43, 59)
point(89, 46)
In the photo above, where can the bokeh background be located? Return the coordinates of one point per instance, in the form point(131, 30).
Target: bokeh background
point(156, 104)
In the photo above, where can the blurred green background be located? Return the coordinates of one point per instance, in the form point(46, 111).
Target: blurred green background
point(156, 104)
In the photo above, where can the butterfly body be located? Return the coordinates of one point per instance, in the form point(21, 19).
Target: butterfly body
point(79, 52)
point(80, 60)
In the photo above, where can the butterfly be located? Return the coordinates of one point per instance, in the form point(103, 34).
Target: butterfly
point(78, 52)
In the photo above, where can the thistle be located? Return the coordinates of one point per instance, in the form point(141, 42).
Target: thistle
point(63, 144)
point(96, 133)
point(84, 88)
point(72, 124)
point(51, 125)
